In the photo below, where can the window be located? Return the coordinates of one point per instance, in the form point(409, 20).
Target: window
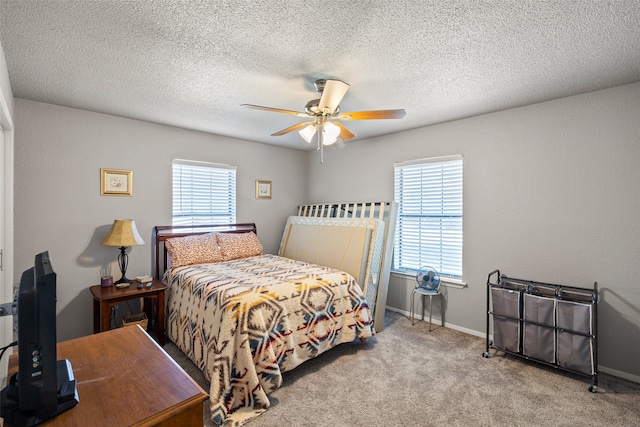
point(429, 229)
point(203, 193)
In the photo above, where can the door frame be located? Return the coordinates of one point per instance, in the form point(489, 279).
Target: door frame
point(7, 288)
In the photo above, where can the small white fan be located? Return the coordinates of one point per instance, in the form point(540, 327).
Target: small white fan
point(428, 278)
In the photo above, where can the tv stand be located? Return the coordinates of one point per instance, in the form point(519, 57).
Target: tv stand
point(67, 398)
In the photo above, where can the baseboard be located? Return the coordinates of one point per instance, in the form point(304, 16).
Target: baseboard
point(602, 369)
point(438, 321)
point(624, 375)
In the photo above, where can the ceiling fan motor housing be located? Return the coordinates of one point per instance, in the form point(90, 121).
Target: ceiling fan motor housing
point(312, 109)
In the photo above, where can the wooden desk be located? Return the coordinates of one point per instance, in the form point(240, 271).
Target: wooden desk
point(125, 379)
point(105, 298)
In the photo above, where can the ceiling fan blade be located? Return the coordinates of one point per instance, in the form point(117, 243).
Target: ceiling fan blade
point(292, 128)
point(332, 94)
point(345, 134)
point(275, 110)
point(372, 115)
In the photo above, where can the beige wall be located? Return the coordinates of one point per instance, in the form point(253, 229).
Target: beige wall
point(58, 155)
point(550, 194)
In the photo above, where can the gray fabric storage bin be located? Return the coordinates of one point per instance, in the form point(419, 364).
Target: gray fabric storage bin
point(539, 341)
point(506, 332)
point(575, 351)
point(574, 316)
point(506, 302)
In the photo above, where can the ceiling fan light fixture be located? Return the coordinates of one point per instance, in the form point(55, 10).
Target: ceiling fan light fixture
point(307, 132)
point(330, 133)
point(323, 111)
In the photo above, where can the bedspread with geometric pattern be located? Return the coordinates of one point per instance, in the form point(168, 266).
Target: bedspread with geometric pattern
point(246, 321)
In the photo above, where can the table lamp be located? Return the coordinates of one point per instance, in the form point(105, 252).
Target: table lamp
point(123, 234)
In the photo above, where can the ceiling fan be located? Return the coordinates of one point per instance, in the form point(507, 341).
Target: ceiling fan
point(326, 116)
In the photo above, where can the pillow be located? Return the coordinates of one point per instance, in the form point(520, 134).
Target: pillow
point(196, 249)
point(239, 245)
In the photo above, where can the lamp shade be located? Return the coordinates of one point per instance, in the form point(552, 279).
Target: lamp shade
point(307, 132)
point(123, 233)
point(330, 133)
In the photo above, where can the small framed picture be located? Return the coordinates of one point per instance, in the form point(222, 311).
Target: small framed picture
point(263, 189)
point(116, 182)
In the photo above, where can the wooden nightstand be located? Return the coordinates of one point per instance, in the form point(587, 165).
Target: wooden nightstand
point(105, 298)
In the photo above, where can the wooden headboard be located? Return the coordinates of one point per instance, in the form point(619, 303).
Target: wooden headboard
point(163, 232)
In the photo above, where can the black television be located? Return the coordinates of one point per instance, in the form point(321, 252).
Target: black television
point(43, 387)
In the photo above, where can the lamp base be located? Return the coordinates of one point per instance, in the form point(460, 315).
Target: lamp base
point(123, 260)
point(123, 280)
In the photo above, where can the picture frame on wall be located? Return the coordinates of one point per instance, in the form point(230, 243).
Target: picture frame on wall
point(116, 182)
point(263, 189)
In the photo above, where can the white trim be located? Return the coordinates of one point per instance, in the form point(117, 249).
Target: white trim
point(7, 254)
point(449, 282)
point(619, 374)
point(5, 118)
point(450, 158)
point(437, 322)
point(205, 164)
point(453, 283)
point(6, 121)
point(6, 126)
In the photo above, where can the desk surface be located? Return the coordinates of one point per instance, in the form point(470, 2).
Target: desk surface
point(125, 379)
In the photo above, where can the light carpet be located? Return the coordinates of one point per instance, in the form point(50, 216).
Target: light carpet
point(408, 376)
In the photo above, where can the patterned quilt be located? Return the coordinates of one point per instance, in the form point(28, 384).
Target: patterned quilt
point(245, 322)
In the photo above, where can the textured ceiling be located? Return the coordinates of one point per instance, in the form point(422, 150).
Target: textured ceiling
point(192, 63)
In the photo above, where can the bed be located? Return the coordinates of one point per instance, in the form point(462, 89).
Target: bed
point(244, 317)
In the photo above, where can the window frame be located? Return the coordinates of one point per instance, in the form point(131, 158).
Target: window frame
point(220, 208)
point(448, 253)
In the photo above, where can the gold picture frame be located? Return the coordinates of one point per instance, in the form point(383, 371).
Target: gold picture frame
point(263, 189)
point(116, 182)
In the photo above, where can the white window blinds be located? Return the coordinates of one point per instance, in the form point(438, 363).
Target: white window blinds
point(429, 229)
point(203, 193)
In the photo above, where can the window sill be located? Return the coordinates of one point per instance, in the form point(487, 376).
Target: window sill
point(447, 281)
